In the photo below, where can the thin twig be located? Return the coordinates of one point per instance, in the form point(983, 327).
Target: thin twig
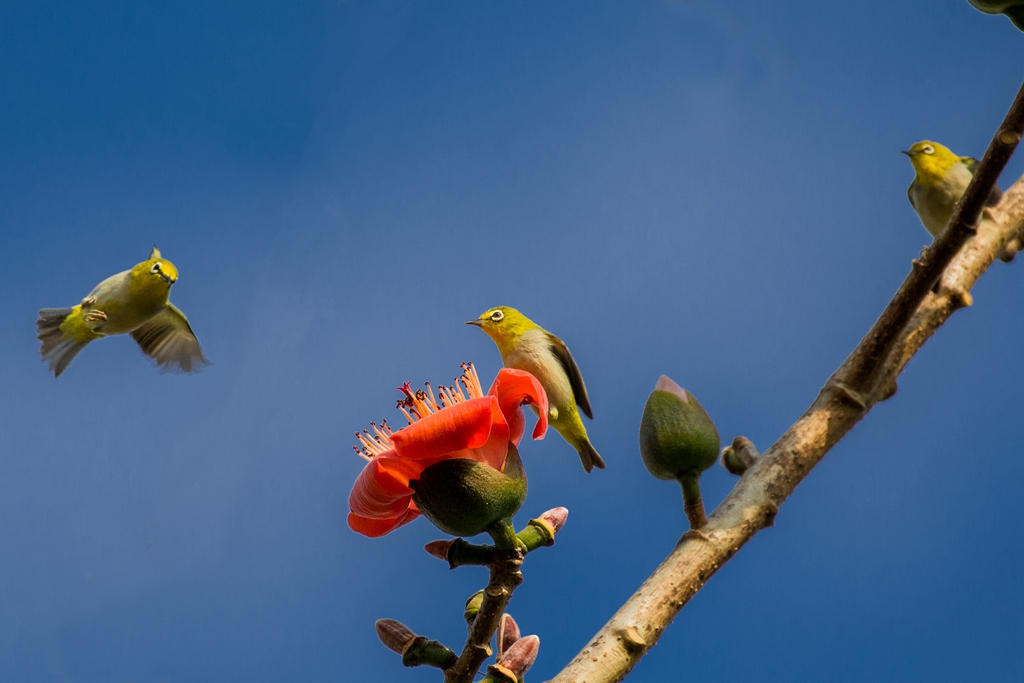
point(505, 577)
point(870, 371)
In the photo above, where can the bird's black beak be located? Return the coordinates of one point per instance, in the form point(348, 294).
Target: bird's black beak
point(907, 152)
point(478, 323)
point(166, 278)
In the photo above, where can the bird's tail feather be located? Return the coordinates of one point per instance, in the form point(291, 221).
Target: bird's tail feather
point(589, 456)
point(56, 348)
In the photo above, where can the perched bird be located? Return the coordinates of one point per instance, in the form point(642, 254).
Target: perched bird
point(525, 345)
point(134, 301)
point(941, 180)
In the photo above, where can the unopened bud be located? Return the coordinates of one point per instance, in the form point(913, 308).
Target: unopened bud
point(473, 606)
point(517, 661)
point(438, 549)
point(508, 633)
point(556, 518)
point(395, 635)
point(676, 435)
point(541, 531)
point(740, 456)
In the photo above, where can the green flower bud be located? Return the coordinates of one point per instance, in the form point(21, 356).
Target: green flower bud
point(473, 606)
point(677, 437)
point(1014, 9)
point(464, 497)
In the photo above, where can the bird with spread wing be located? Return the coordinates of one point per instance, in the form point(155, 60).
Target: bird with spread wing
point(131, 302)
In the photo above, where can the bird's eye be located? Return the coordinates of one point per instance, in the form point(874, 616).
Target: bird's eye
point(928, 149)
point(155, 268)
point(497, 315)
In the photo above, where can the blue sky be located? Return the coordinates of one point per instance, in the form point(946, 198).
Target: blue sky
point(710, 192)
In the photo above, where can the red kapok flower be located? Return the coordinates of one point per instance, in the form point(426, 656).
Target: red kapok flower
point(463, 424)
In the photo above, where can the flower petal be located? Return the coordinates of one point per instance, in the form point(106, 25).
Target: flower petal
point(458, 427)
point(378, 492)
point(495, 449)
point(378, 527)
point(513, 388)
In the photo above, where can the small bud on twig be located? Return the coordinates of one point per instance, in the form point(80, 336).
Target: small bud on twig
point(541, 531)
point(740, 456)
point(517, 661)
point(508, 633)
point(395, 635)
point(415, 650)
point(473, 606)
point(556, 518)
point(438, 549)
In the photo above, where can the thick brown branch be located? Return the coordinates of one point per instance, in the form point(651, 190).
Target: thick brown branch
point(751, 506)
point(860, 373)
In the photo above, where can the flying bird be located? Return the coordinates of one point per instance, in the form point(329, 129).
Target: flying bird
point(131, 302)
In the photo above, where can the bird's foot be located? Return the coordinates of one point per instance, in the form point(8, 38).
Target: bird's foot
point(95, 316)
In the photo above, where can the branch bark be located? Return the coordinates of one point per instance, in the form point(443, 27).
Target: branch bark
point(505, 578)
point(865, 378)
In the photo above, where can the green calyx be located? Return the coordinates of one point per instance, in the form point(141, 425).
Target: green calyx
point(425, 652)
point(537, 534)
point(677, 438)
point(464, 497)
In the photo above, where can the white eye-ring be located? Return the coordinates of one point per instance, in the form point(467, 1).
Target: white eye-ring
point(497, 315)
point(928, 149)
point(155, 268)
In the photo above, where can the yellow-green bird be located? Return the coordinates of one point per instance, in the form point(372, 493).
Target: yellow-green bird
point(525, 345)
point(135, 302)
point(941, 179)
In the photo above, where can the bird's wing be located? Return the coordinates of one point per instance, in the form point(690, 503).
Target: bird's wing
point(995, 196)
point(168, 339)
point(972, 165)
point(114, 287)
point(579, 391)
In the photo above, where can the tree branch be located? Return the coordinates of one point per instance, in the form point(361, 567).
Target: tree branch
point(505, 577)
point(865, 378)
point(859, 372)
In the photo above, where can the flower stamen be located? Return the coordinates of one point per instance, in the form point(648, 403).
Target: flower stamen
point(471, 381)
point(417, 405)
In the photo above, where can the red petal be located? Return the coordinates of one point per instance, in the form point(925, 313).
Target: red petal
point(377, 492)
point(492, 452)
point(455, 428)
point(378, 527)
point(514, 388)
